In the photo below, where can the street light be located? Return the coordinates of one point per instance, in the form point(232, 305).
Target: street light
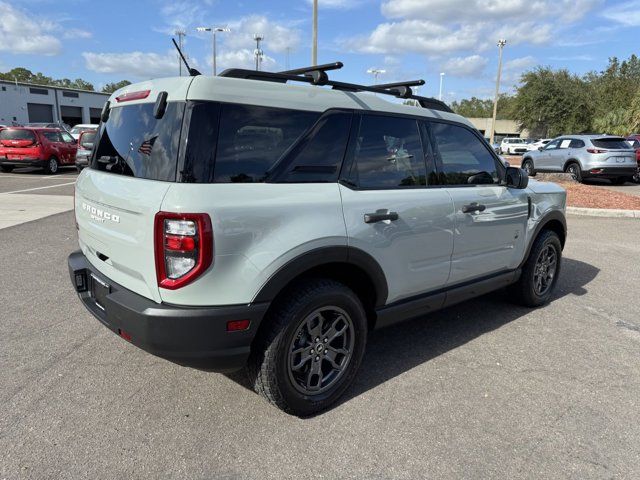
point(441, 80)
point(375, 72)
point(258, 38)
point(501, 44)
point(214, 30)
point(314, 39)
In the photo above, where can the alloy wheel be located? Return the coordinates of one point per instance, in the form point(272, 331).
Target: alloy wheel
point(545, 270)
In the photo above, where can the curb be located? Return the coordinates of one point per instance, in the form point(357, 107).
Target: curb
point(604, 212)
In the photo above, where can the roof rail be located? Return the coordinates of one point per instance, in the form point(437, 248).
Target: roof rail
point(316, 75)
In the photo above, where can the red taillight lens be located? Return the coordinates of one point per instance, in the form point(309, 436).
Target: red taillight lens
point(238, 325)
point(596, 150)
point(127, 97)
point(183, 247)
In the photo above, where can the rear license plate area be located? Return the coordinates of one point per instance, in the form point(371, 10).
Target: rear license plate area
point(99, 291)
point(14, 157)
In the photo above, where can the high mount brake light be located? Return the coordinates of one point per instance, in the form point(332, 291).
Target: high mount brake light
point(127, 97)
point(183, 247)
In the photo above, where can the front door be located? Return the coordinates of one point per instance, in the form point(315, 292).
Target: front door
point(490, 219)
point(391, 212)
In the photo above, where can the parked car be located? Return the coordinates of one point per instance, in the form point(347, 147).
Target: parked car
point(585, 156)
point(513, 146)
point(47, 148)
point(535, 145)
point(59, 125)
point(85, 147)
point(276, 228)
point(83, 127)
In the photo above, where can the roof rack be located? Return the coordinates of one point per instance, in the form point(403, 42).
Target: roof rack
point(317, 75)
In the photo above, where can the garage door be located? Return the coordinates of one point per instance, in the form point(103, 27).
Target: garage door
point(40, 112)
point(94, 113)
point(71, 115)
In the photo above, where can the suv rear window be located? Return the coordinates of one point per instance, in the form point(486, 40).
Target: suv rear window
point(613, 143)
point(13, 134)
point(134, 143)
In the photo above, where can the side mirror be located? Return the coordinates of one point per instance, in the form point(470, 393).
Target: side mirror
point(540, 148)
point(517, 178)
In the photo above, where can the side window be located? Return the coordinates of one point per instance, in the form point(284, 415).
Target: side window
point(564, 143)
point(251, 139)
point(464, 158)
point(319, 158)
point(552, 145)
point(67, 138)
point(389, 153)
point(575, 143)
point(52, 136)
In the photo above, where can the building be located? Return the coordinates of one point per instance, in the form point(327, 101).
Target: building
point(504, 128)
point(22, 103)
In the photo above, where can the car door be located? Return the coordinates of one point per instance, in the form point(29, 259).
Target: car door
point(392, 208)
point(490, 219)
point(70, 147)
point(54, 145)
point(560, 155)
point(542, 161)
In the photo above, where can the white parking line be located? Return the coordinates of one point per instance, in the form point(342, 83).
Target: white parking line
point(37, 188)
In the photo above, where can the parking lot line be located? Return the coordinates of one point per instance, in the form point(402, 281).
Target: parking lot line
point(38, 188)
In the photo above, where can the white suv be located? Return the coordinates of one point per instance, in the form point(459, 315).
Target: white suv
point(241, 221)
point(513, 146)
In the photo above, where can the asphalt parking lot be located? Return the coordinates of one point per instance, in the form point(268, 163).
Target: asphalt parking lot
point(482, 390)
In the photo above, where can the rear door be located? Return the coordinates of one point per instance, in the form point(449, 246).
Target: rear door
point(117, 198)
point(390, 208)
point(490, 219)
point(70, 147)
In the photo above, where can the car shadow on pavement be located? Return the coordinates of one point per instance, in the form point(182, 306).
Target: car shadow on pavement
point(397, 349)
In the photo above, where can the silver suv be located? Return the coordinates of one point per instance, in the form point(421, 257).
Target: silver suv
point(243, 221)
point(585, 156)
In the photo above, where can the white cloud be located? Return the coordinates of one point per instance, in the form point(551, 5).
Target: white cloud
point(243, 58)
point(470, 66)
point(24, 32)
point(626, 13)
point(337, 4)
point(514, 68)
point(277, 36)
point(139, 64)
point(71, 33)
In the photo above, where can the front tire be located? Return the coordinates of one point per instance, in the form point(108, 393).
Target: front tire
point(52, 166)
point(574, 170)
point(310, 348)
point(540, 271)
point(527, 166)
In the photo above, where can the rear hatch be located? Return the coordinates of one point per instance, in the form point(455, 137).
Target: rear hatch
point(18, 143)
point(134, 163)
point(615, 151)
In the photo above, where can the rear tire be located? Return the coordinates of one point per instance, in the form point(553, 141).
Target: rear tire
point(294, 362)
point(52, 166)
point(527, 166)
point(6, 168)
point(540, 271)
point(575, 171)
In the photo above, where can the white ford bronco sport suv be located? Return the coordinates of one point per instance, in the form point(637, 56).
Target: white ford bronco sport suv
point(244, 221)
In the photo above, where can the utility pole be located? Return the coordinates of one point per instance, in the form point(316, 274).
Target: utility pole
point(441, 81)
point(181, 34)
point(258, 38)
point(314, 41)
point(501, 44)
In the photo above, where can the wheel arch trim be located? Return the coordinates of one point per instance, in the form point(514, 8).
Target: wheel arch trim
point(550, 218)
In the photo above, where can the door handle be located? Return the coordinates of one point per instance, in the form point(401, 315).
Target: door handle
point(473, 207)
point(380, 216)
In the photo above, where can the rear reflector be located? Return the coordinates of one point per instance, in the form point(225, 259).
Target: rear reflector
point(595, 170)
point(238, 325)
point(124, 335)
point(127, 97)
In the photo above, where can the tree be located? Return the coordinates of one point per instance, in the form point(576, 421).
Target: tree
point(112, 87)
point(550, 103)
point(478, 108)
point(25, 75)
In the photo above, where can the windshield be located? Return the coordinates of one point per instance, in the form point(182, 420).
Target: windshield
point(12, 134)
point(87, 139)
point(612, 143)
point(133, 142)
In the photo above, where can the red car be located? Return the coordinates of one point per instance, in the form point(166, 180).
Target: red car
point(49, 148)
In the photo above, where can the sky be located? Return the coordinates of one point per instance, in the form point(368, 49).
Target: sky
point(113, 40)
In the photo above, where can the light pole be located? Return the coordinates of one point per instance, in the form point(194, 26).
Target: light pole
point(314, 41)
point(181, 34)
point(501, 44)
point(441, 81)
point(214, 30)
point(375, 72)
point(258, 38)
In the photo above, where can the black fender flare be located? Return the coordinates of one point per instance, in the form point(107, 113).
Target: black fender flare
point(324, 256)
point(553, 215)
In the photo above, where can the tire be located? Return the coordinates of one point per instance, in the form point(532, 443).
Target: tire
point(278, 373)
point(526, 290)
point(574, 169)
point(619, 180)
point(527, 165)
point(6, 168)
point(52, 166)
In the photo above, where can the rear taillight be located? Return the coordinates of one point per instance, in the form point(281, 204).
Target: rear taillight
point(596, 150)
point(183, 247)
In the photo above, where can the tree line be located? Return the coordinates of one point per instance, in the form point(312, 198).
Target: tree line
point(552, 102)
point(25, 75)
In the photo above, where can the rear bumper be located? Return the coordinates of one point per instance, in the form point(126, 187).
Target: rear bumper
point(192, 336)
point(23, 162)
point(609, 172)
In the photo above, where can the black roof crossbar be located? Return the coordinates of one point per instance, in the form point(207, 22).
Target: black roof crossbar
point(317, 75)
